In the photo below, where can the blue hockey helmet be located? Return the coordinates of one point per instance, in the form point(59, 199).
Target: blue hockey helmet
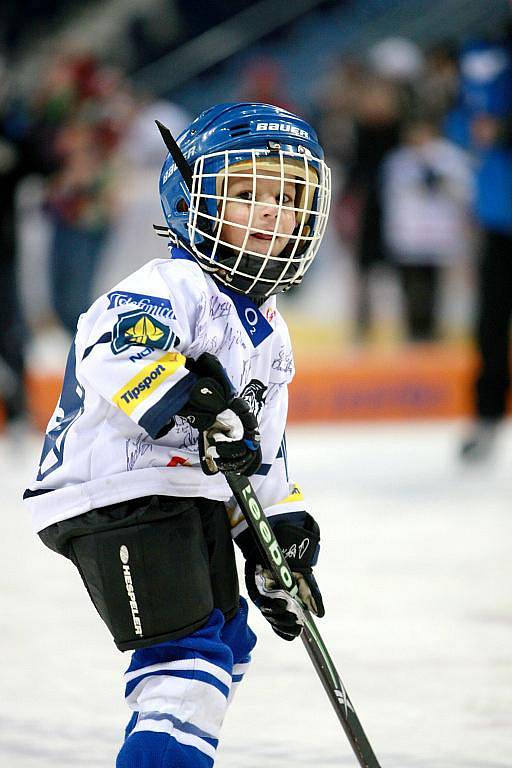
point(265, 152)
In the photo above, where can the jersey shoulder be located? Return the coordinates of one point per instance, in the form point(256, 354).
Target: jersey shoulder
point(163, 300)
point(181, 275)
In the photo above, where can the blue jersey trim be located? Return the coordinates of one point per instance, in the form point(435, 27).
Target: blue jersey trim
point(28, 494)
point(160, 414)
point(102, 340)
point(177, 252)
point(264, 469)
point(255, 324)
point(282, 454)
point(71, 407)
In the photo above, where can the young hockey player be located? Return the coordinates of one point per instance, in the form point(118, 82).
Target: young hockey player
point(175, 376)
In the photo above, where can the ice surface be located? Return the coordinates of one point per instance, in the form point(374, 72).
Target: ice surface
point(415, 570)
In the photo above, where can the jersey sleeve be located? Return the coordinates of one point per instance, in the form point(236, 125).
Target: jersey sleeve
point(136, 353)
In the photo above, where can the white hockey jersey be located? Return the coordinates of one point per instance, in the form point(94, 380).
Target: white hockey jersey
point(125, 378)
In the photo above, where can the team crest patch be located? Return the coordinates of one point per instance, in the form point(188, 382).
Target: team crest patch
point(141, 329)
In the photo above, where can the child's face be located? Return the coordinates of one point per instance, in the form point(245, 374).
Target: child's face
point(265, 215)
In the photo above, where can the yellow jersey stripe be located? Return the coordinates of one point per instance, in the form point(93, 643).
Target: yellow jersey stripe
point(144, 383)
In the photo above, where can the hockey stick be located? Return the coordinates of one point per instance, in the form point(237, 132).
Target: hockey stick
point(318, 653)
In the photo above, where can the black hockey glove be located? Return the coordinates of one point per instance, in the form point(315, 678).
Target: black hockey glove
point(229, 438)
point(300, 545)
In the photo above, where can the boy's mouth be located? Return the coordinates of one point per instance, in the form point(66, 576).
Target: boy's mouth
point(261, 236)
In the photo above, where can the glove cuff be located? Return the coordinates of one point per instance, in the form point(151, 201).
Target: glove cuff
point(207, 399)
point(300, 544)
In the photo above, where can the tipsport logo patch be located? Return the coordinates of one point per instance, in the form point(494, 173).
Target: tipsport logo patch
point(141, 329)
point(153, 305)
point(135, 391)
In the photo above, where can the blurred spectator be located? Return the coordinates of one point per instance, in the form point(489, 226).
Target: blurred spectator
point(336, 100)
point(486, 69)
point(82, 110)
point(397, 59)
point(132, 241)
point(437, 87)
point(142, 45)
point(426, 194)
point(18, 158)
point(362, 110)
point(381, 97)
point(80, 203)
point(376, 131)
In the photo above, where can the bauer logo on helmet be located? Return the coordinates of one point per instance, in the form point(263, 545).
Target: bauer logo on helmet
point(283, 128)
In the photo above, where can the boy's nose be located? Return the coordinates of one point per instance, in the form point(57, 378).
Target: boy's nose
point(270, 208)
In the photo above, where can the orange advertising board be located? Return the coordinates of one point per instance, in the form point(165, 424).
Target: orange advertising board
point(427, 381)
point(424, 381)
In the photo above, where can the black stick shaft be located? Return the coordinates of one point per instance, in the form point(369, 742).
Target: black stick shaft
point(317, 651)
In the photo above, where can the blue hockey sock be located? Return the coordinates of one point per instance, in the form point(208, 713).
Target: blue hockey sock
point(180, 691)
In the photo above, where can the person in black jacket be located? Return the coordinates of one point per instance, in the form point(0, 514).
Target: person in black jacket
point(489, 102)
point(18, 158)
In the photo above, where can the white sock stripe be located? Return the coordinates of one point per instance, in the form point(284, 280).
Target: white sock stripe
point(188, 739)
point(240, 669)
point(205, 704)
point(195, 741)
point(192, 664)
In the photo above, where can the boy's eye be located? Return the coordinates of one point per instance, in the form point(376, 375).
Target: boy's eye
point(244, 194)
point(247, 195)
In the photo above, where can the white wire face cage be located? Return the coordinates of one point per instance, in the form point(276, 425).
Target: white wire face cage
point(257, 217)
